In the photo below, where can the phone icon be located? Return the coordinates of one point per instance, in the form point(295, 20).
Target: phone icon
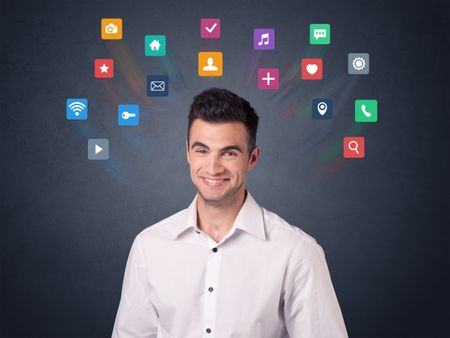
point(366, 110)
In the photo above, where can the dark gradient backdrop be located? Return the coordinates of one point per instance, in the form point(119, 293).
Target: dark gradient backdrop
point(67, 223)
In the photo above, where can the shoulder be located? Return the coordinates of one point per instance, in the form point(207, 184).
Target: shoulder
point(292, 236)
point(163, 229)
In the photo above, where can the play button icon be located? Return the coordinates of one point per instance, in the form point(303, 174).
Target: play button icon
point(98, 149)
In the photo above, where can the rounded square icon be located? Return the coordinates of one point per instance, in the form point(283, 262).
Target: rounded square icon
point(366, 110)
point(210, 28)
point(98, 149)
point(354, 147)
point(322, 109)
point(157, 85)
point(312, 69)
point(104, 68)
point(319, 34)
point(268, 78)
point(128, 114)
point(155, 45)
point(263, 38)
point(210, 64)
point(77, 109)
point(358, 63)
point(111, 29)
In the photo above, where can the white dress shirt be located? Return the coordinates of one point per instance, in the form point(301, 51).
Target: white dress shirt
point(264, 279)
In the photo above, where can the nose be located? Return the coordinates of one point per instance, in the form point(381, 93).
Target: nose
point(214, 166)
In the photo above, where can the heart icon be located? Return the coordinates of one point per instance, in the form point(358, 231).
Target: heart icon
point(312, 68)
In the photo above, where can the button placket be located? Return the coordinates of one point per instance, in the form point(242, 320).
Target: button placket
point(210, 298)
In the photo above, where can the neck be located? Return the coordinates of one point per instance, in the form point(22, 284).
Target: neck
point(217, 220)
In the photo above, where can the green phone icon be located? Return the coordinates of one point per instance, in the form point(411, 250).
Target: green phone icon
point(366, 110)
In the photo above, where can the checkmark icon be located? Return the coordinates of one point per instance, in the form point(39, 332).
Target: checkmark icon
point(210, 28)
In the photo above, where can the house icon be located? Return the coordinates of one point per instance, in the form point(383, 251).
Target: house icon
point(154, 45)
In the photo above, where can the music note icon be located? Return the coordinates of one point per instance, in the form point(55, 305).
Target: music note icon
point(264, 38)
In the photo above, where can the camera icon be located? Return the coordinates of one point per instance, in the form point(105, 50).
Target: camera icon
point(111, 29)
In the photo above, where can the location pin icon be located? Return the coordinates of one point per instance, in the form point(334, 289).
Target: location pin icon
point(322, 108)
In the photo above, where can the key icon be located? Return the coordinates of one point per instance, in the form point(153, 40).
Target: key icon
point(126, 115)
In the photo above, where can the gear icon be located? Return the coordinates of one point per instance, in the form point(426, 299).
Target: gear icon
point(358, 63)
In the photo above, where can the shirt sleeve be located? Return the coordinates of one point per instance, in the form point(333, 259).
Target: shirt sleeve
point(136, 316)
point(310, 307)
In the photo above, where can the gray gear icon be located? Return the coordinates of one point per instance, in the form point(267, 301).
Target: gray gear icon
point(358, 63)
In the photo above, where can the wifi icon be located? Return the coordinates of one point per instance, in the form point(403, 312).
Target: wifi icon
point(77, 109)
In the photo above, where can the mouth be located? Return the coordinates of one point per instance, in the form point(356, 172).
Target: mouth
point(214, 182)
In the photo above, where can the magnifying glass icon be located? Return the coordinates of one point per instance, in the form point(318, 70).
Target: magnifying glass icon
point(354, 147)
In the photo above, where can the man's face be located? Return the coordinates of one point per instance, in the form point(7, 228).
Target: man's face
point(219, 159)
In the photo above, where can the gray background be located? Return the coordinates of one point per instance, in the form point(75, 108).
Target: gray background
point(67, 223)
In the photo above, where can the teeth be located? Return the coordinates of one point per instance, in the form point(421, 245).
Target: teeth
point(213, 181)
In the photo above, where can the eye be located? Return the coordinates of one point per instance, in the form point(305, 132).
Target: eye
point(229, 154)
point(200, 150)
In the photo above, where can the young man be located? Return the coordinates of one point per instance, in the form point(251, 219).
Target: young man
point(226, 267)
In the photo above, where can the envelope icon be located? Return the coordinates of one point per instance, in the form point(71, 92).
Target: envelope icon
point(157, 86)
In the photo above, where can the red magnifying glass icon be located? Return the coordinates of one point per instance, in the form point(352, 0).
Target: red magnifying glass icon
point(354, 147)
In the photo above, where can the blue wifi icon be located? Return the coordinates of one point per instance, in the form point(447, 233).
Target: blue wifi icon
point(77, 109)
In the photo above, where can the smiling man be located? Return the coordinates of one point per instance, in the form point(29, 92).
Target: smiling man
point(226, 267)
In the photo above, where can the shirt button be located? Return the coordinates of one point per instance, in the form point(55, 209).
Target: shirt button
point(208, 330)
point(197, 231)
point(210, 289)
point(214, 249)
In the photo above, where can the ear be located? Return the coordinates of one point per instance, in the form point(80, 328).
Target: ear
point(187, 152)
point(254, 156)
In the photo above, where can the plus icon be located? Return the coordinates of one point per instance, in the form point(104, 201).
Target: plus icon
point(268, 78)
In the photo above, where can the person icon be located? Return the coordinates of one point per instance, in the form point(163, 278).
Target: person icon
point(210, 67)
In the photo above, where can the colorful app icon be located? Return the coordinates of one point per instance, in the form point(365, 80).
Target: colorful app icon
point(366, 110)
point(312, 69)
point(104, 68)
point(358, 63)
point(319, 34)
point(322, 109)
point(77, 109)
point(157, 85)
point(210, 64)
point(98, 149)
point(268, 78)
point(128, 114)
point(264, 38)
point(354, 147)
point(210, 28)
point(155, 45)
point(111, 29)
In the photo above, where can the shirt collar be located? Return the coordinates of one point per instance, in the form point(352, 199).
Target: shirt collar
point(249, 219)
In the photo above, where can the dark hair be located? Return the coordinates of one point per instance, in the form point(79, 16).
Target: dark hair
point(220, 105)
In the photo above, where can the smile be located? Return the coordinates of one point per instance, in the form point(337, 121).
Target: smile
point(213, 182)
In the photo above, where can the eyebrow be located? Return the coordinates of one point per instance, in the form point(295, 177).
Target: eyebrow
point(200, 144)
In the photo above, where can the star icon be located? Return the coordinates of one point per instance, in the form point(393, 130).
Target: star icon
point(104, 68)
